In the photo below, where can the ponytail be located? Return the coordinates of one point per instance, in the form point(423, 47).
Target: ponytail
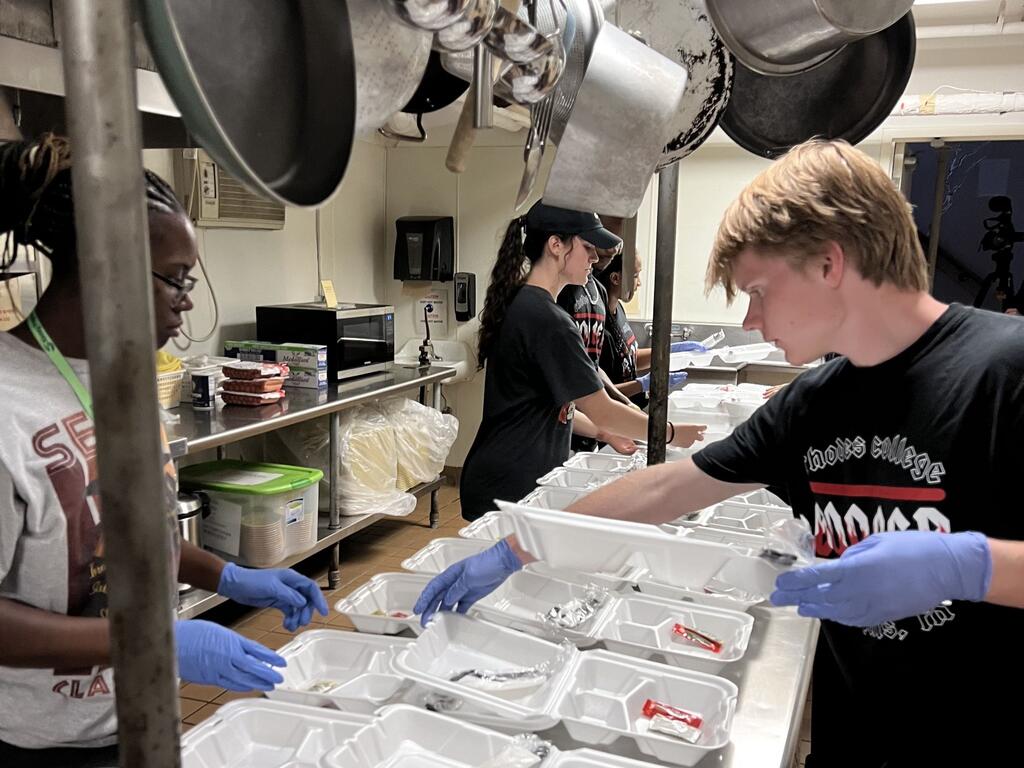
point(506, 279)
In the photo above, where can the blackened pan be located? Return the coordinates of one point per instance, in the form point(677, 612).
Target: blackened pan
point(267, 88)
point(846, 97)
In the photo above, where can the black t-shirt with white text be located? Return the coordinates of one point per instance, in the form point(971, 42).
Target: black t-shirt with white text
point(588, 306)
point(618, 355)
point(928, 440)
point(535, 373)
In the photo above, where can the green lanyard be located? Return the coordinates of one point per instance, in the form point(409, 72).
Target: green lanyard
point(60, 363)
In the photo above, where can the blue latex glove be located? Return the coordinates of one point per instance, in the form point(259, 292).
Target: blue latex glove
point(289, 591)
point(890, 576)
point(675, 378)
point(467, 581)
point(687, 346)
point(210, 654)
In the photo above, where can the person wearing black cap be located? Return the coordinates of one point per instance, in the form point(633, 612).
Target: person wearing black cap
point(537, 370)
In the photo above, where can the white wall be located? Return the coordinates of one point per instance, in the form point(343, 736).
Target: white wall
point(251, 267)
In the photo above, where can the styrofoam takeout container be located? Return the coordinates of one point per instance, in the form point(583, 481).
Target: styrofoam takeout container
point(358, 664)
point(382, 594)
point(255, 733)
point(598, 695)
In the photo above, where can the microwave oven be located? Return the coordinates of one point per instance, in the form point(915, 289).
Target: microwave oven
point(360, 338)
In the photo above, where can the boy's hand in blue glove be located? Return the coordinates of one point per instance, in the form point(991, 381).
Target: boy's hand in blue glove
point(467, 581)
point(890, 576)
point(210, 654)
point(687, 346)
point(295, 595)
point(675, 378)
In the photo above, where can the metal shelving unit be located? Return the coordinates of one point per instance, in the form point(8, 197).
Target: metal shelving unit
point(200, 430)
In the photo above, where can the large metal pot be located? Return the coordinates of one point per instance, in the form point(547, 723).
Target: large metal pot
point(391, 58)
point(621, 120)
point(782, 37)
point(267, 88)
point(682, 31)
point(847, 97)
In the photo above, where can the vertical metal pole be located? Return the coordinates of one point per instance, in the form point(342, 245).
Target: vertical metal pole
point(661, 331)
point(940, 195)
point(483, 88)
point(334, 514)
point(334, 464)
point(114, 264)
point(434, 511)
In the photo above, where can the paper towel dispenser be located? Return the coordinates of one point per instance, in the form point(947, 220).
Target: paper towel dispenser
point(425, 248)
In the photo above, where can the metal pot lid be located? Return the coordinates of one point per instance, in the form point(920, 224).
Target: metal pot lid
point(436, 90)
point(682, 31)
point(846, 97)
point(268, 89)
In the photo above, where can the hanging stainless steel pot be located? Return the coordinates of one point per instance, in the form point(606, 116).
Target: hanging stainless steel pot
point(847, 97)
point(391, 58)
point(621, 119)
point(682, 31)
point(267, 88)
point(783, 37)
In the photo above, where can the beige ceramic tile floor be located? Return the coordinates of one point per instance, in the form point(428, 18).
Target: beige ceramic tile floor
point(377, 549)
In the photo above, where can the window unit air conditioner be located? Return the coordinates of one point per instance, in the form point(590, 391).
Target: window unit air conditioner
point(213, 198)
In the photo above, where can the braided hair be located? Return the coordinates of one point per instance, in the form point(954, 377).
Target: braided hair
point(520, 249)
point(36, 202)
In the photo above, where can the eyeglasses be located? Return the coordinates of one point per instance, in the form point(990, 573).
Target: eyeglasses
point(182, 287)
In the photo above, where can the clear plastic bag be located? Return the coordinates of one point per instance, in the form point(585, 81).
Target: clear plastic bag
point(423, 437)
point(367, 466)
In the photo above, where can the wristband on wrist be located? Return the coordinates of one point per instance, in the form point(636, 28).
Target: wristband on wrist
point(672, 427)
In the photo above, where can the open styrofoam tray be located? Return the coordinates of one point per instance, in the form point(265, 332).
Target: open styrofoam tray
point(745, 353)
point(753, 518)
point(585, 543)
point(742, 353)
point(599, 695)
point(762, 497)
point(638, 625)
point(255, 733)
point(604, 700)
point(453, 643)
point(358, 665)
point(550, 497)
point(604, 462)
point(492, 526)
point(406, 737)
point(749, 543)
point(442, 553)
point(698, 596)
point(582, 479)
point(382, 594)
point(526, 596)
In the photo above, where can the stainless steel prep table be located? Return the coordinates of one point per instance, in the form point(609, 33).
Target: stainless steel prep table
point(201, 430)
point(773, 679)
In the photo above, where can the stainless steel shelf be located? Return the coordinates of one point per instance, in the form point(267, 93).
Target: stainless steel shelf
point(202, 430)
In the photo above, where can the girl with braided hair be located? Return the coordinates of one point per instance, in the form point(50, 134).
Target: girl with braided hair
point(56, 684)
point(540, 385)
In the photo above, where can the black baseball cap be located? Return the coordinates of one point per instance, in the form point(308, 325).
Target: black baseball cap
point(548, 218)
